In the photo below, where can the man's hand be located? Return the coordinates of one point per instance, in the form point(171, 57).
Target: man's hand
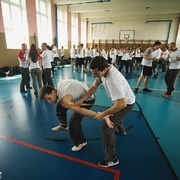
point(99, 115)
point(108, 121)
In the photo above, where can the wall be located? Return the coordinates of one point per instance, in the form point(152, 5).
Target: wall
point(143, 31)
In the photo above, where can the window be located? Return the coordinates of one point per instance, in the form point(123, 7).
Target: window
point(83, 32)
point(62, 27)
point(74, 29)
point(44, 25)
point(16, 29)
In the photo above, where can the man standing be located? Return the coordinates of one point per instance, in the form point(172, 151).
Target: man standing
point(149, 57)
point(24, 68)
point(73, 56)
point(123, 101)
point(67, 92)
point(47, 58)
point(173, 69)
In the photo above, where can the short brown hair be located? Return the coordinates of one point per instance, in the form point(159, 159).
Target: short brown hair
point(98, 62)
point(45, 90)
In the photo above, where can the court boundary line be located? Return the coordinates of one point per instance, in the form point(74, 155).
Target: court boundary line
point(70, 158)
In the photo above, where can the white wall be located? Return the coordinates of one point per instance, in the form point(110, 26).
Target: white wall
point(143, 30)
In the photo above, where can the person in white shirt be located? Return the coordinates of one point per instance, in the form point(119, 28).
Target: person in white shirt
point(96, 51)
point(88, 57)
point(25, 82)
point(62, 54)
point(164, 58)
point(80, 60)
point(173, 69)
point(47, 58)
point(56, 55)
point(149, 57)
point(113, 56)
point(73, 56)
point(124, 60)
point(154, 63)
point(123, 100)
point(104, 53)
point(66, 93)
point(33, 60)
point(138, 57)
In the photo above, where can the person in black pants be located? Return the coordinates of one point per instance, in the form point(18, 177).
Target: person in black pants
point(64, 96)
point(173, 69)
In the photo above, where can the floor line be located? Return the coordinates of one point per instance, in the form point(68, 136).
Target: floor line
point(116, 172)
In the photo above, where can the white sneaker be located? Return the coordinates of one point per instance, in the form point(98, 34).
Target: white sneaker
point(77, 148)
point(60, 128)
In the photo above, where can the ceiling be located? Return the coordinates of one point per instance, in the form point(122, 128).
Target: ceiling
point(93, 9)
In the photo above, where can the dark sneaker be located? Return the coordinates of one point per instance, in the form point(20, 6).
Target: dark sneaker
point(147, 90)
point(136, 90)
point(104, 163)
point(155, 76)
point(60, 128)
point(29, 87)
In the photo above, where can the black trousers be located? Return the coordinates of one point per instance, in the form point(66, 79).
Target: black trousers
point(170, 78)
point(75, 128)
point(25, 81)
point(124, 63)
point(47, 77)
point(109, 137)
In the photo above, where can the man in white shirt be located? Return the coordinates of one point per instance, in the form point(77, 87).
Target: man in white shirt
point(123, 100)
point(66, 93)
point(149, 57)
point(173, 69)
point(47, 58)
point(22, 53)
point(73, 56)
point(62, 53)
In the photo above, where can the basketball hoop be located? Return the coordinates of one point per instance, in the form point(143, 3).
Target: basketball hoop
point(126, 37)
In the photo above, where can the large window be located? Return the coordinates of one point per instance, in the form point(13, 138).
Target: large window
point(15, 23)
point(62, 27)
point(74, 29)
point(44, 25)
point(83, 32)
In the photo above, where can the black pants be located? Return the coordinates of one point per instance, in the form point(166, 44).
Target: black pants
point(109, 137)
point(87, 60)
point(75, 128)
point(25, 81)
point(170, 78)
point(47, 77)
point(123, 62)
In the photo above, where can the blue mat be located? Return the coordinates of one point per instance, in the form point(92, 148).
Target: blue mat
point(30, 150)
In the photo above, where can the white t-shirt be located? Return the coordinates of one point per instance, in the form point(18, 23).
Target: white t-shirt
point(55, 52)
point(73, 53)
point(138, 53)
point(173, 63)
point(165, 54)
point(62, 52)
point(73, 87)
point(47, 58)
point(116, 86)
point(158, 53)
point(33, 65)
point(81, 53)
point(104, 54)
point(151, 53)
point(88, 53)
point(125, 56)
point(95, 52)
point(113, 56)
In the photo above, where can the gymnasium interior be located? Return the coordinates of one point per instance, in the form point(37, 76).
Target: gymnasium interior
point(29, 149)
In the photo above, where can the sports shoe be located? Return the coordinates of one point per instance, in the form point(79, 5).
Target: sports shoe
point(165, 95)
point(104, 163)
point(136, 90)
point(147, 90)
point(60, 128)
point(77, 148)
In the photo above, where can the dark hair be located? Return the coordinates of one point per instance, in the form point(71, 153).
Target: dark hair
point(157, 43)
point(45, 90)
point(99, 63)
point(33, 54)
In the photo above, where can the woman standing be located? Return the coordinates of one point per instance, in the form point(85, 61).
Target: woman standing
point(34, 67)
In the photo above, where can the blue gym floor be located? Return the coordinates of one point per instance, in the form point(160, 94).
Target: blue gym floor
point(30, 150)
